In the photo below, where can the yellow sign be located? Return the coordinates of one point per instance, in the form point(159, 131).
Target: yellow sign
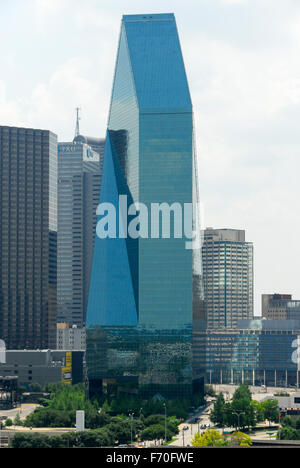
point(67, 370)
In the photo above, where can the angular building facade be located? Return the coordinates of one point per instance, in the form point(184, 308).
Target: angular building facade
point(28, 238)
point(144, 291)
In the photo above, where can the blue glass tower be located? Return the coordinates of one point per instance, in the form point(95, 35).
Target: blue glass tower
point(144, 292)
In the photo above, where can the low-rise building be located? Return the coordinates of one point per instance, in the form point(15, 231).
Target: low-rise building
point(258, 352)
point(44, 366)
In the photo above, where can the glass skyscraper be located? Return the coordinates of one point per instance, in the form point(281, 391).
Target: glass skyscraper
point(145, 291)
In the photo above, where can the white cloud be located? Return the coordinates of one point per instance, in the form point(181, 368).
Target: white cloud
point(233, 2)
point(10, 110)
point(47, 10)
point(52, 103)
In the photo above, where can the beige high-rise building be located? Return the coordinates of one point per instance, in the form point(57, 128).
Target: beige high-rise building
point(228, 277)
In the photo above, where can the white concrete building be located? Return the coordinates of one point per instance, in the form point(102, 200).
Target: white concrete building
point(70, 339)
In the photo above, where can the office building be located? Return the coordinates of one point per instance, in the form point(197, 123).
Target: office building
point(79, 177)
point(257, 352)
point(293, 310)
point(96, 144)
point(280, 307)
point(274, 306)
point(142, 293)
point(227, 276)
point(70, 338)
point(28, 237)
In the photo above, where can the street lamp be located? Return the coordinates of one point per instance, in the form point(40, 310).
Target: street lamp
point(140, 428)
point(238, 415)
point(165, 423)
point(279, 420)
point(131, 421)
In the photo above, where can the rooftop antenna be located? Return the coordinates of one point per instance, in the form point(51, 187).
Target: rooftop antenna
point(78, 118)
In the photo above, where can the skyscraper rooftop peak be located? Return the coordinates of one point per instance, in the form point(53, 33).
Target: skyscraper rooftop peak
point(149, 17)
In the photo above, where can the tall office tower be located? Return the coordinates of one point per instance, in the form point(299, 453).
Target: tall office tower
point(97, 144)
point(28, 237)
point(79, 176)
point(228, 277)
point(140, 311)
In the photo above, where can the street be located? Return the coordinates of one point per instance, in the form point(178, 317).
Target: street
point(185, 437)
point(24, 410)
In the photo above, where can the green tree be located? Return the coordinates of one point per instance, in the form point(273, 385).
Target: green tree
point(22, 440)
point(217, 414)
point(18, 421)
point(156, 432)
point(288, 433)
point(242, 393)
point(297, 423)
point(240, 439)
point(240, 413)
point(35, 387)
point(270, 409)
point(287, 421)
point(172, 424)
point(210, 438)
point(258, 411)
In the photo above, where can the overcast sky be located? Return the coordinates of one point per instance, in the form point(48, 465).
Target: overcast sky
point(243, 65)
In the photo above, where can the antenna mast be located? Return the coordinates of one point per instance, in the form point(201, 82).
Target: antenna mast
point(78, 118)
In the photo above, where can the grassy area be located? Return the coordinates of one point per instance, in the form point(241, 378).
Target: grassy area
point(171, 441)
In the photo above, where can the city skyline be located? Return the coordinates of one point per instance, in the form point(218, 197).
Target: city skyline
point(148, 282)
point(244, 77)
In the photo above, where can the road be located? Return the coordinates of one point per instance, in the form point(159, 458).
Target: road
point(185, 437)
point(24, 410)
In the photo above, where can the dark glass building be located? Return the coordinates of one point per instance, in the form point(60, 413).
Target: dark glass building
point(144, 291)
point(28, 238)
